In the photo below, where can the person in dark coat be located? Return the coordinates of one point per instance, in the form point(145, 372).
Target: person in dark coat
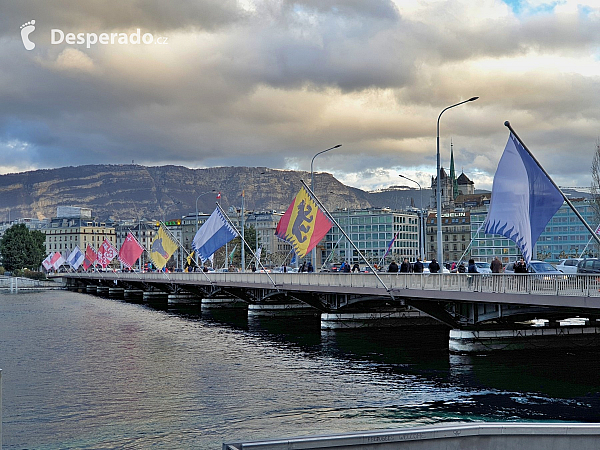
point(310, 268)
point(393, 268)
point(418, 266)
point(434, 267)
point(347, 268)
point(520, 266)
point(496, 265)
point(472, 267)
point(461, 268)
point(356, 268)
point(405, 267)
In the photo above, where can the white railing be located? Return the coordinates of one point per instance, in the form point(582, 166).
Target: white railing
point(558, 285)
point(13, 284)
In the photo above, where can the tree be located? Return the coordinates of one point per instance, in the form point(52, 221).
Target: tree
point(250, 237)
point(22, 248)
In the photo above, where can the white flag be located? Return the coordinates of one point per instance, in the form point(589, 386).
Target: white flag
point(524, 199)
point(213, 235)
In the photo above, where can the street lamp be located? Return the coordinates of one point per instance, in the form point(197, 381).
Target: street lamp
point(439, 185)
point(312, 188)
point(204, 193)
point(422, 224)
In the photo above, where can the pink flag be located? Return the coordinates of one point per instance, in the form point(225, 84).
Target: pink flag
point(57, 260)
point(90, 257)
point(130, 251)
point(106, 253)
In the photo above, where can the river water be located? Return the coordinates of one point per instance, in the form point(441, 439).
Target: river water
point(81, 371)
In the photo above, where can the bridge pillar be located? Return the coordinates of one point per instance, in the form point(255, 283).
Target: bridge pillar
point(183, 298)
point(115, 292)
point(534, 338)
point(210, 303)
point(102, 290)
point(393, 317)
point(154, 296)
point(91, 289)
point(278, 309)
point(133, 293)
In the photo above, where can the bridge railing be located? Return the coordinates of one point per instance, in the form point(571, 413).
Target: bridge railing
point(562, 285)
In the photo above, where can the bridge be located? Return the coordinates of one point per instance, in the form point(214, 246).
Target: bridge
point(444, 296)
point(471, 303)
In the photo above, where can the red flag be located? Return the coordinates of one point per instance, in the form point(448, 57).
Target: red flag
point(130, 251)
point(303, 225)
point(55, 258)
point(106, 253)
point(90, 257)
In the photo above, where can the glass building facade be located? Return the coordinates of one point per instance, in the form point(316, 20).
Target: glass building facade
point(371, 230)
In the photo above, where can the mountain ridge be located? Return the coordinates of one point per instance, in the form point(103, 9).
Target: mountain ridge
point(120, 191)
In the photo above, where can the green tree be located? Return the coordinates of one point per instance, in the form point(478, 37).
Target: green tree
point(250, 237)
point(21, 248)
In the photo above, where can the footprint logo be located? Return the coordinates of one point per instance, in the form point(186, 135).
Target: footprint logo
point(26, 30)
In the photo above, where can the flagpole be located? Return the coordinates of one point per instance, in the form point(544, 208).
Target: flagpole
point(179, 243)
point(245, 243)
point(593, 233)
point(347, 237)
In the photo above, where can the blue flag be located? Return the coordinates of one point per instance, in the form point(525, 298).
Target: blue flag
point(523, 199)
point(391, 243)
point(75, 259)
point(213, 235)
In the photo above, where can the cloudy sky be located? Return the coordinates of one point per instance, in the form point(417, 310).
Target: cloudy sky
point(271, 83)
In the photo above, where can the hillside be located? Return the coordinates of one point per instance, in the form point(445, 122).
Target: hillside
point(134, 191)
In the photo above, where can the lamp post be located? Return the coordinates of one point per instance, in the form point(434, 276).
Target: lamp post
point(422, 223)
point(204, 193)
point(312, 188)
point(440, 252)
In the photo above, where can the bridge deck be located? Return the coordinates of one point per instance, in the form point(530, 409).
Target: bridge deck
point(573, 291)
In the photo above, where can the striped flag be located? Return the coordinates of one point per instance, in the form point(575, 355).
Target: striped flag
point(214, 234)
point(303, 225)
point(75, 259)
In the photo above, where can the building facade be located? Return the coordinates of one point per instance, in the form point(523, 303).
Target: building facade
point(456, 235)
point(371, 230)
point(64, 234)
point(274, 251)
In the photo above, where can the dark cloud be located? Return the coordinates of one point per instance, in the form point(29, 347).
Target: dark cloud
point(275, 83)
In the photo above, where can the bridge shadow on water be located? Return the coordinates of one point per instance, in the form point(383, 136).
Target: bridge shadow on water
point(548, 385)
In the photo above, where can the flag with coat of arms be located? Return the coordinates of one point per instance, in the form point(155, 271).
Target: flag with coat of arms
point(106, 253)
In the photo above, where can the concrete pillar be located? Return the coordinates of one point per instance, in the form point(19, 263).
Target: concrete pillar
point(155, 295)
point(114, 292)
point(290, 309)
point(102, 290)
point(485, 341)
point(210, 303)
point(133, 293)
point(397, 317)
point(186, 298)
